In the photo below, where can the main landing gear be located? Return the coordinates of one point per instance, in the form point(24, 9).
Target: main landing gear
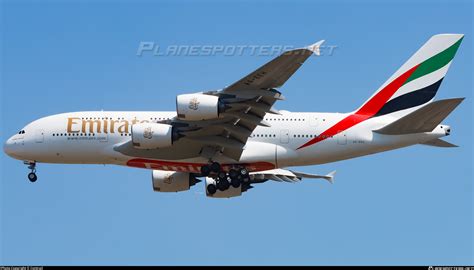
point(32, 175)
point(235, 177)
point(206, 170)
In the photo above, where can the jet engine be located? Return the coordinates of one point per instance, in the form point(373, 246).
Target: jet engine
point(213, 192)
point(195, 107)
point(170, 181)
point(152, 135)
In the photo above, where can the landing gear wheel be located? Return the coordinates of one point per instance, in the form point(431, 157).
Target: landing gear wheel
point(222, 176)
point(233, 174)
point(32, 177)
point(205, 170)
point(243, 172)
point(211, 189)
point(223, 185)
point(235, 182)
point(32, 166)
point(215, 167)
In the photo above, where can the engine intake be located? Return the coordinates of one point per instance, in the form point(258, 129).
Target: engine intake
point(195, 107)
point(152, 135)
point(170, 181)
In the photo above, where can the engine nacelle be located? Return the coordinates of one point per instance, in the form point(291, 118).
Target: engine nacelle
point(195, 107)
point(230, 192)
point(152, 135)
point(170, 181)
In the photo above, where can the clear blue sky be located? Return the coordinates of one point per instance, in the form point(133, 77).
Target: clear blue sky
point(409, 206)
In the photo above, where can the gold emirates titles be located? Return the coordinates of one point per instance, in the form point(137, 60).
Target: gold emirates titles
point(79, 125)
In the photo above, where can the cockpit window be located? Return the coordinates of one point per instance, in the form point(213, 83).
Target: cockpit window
point(21, 132)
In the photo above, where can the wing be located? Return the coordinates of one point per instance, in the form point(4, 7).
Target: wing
point(275, 73)
point(246, 103)
point(242, 107)
point(281, 175)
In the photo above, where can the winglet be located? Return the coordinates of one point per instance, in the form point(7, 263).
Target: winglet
point(330, 177)
point(315, 47)
point(439, 143)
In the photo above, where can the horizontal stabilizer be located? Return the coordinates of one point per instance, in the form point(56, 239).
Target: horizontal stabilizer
point(282, 175)
point(329, 176)
point(439, 143)
point(424, 119)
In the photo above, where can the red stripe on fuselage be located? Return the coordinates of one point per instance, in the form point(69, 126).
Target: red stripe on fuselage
point(193, 167)
point(369, 109)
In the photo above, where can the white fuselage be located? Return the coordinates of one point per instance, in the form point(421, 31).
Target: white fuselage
point(90, 138)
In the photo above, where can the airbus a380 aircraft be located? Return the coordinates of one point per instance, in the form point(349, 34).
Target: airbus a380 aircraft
point(234, 137)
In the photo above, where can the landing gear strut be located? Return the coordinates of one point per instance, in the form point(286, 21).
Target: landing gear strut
point(32, 175)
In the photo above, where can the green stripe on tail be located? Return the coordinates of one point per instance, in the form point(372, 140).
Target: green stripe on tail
point(435, 62)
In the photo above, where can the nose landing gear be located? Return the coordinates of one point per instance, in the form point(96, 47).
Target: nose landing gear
point(32, 175)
